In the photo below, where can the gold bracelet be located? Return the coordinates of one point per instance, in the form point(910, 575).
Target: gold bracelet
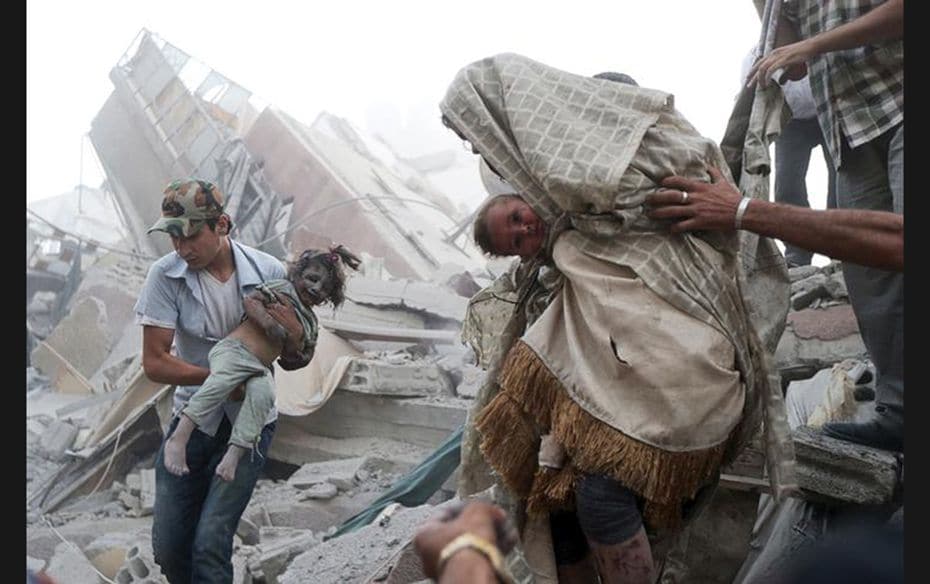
point(486, 548)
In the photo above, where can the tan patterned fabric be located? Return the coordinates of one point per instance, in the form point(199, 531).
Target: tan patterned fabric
point(640, 365)
point(584, 153)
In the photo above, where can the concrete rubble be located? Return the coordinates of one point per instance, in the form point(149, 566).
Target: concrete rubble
point(821, 328)
point(94, 422)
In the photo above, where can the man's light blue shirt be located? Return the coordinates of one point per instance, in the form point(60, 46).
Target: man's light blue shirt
point(172, 298)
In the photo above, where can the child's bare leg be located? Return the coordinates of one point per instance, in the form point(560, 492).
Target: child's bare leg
point(226, 469)
point(176, 447)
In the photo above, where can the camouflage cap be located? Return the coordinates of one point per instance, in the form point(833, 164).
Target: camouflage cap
point(188, 203)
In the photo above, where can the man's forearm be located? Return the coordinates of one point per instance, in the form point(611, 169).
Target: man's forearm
point(882, 23)
point(172, 370)
point(468, 567)
point(868, 238)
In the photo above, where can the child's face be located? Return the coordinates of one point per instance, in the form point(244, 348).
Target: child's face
point(313, 284)
point(515, 229)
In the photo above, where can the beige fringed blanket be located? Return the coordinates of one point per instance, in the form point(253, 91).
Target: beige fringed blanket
point(584, 153)
point(627, 384)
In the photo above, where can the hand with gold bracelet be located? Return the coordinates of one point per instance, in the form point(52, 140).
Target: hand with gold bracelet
point(466, 544)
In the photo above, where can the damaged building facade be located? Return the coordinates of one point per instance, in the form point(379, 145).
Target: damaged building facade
point(391, 382)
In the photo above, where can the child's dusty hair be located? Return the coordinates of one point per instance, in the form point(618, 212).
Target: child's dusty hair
point(333, 260)
point(480, 229)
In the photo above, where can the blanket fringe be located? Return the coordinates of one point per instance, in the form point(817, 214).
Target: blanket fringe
point(532, 401)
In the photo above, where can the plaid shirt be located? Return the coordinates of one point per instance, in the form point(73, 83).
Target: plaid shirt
point(859, 92)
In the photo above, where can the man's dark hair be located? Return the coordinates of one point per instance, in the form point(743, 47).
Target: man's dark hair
point(211, 223)
point(618, 77)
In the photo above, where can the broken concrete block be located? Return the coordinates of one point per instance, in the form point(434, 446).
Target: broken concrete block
point(835, 285)
point(818, 338)
point(108, 552)
point(402, 380)
point(802, 272)
point(62, 375)
point(58, 438)
point(134, 483)
point(357, 556)
point(140, 566)
point(339, 473)
point(472, 380)
point(35, 380)
point(248, 532)
point(42, 302)
point(147, 491)
point(241, 570)
point(69, 565)
point(81, 338)
point(845, 471)
point(130, 501)
point(804, 292)
point(320, 491)
point(355, 417)
point(411, 295)
point(35, 426)
point(272, 559)
point(834, 267)
point(270, 536)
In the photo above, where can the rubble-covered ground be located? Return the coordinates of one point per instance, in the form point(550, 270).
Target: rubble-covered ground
point(332, 463)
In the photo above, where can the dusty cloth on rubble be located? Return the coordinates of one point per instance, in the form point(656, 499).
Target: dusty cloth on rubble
point(584, 153)
point(304, 391)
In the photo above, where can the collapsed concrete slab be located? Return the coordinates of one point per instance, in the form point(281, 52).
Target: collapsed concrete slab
point(805, 291)
point(57, 438)
point(81, 338)
point(399, 380)
point(140, 566)
point(41, 541)
point(315, 515)
point(323, 491)
point(473, 378)
point(70, 565)
point(63, 376)
point(108, 552)
point(438, 303)
point(98, 466)
point(295, 443)
point(273, 557)
point(360, 555)
point(423, 422)
point(843, 471)
point(339, 473)
point(815, 339)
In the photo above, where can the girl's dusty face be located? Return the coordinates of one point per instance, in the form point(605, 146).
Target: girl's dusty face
point(313, 284)
point(515, 229)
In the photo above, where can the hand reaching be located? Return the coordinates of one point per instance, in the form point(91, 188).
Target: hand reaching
point(792, 58)
point(707, 206)
point(476, 517)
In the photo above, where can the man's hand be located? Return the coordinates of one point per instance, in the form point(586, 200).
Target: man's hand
point(477, 517)
point(708, 206)
point(792, 58)
point(283, 312)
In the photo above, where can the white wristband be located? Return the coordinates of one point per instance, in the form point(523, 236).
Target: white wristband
point(740, 211)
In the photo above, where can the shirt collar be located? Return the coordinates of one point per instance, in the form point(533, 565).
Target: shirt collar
point(245, 268)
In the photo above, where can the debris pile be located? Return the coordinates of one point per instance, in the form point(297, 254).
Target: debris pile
point(390, 380)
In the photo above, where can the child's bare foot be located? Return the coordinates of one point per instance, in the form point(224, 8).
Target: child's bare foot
point(176, 446)
point(176, 455)
point(226, 469)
